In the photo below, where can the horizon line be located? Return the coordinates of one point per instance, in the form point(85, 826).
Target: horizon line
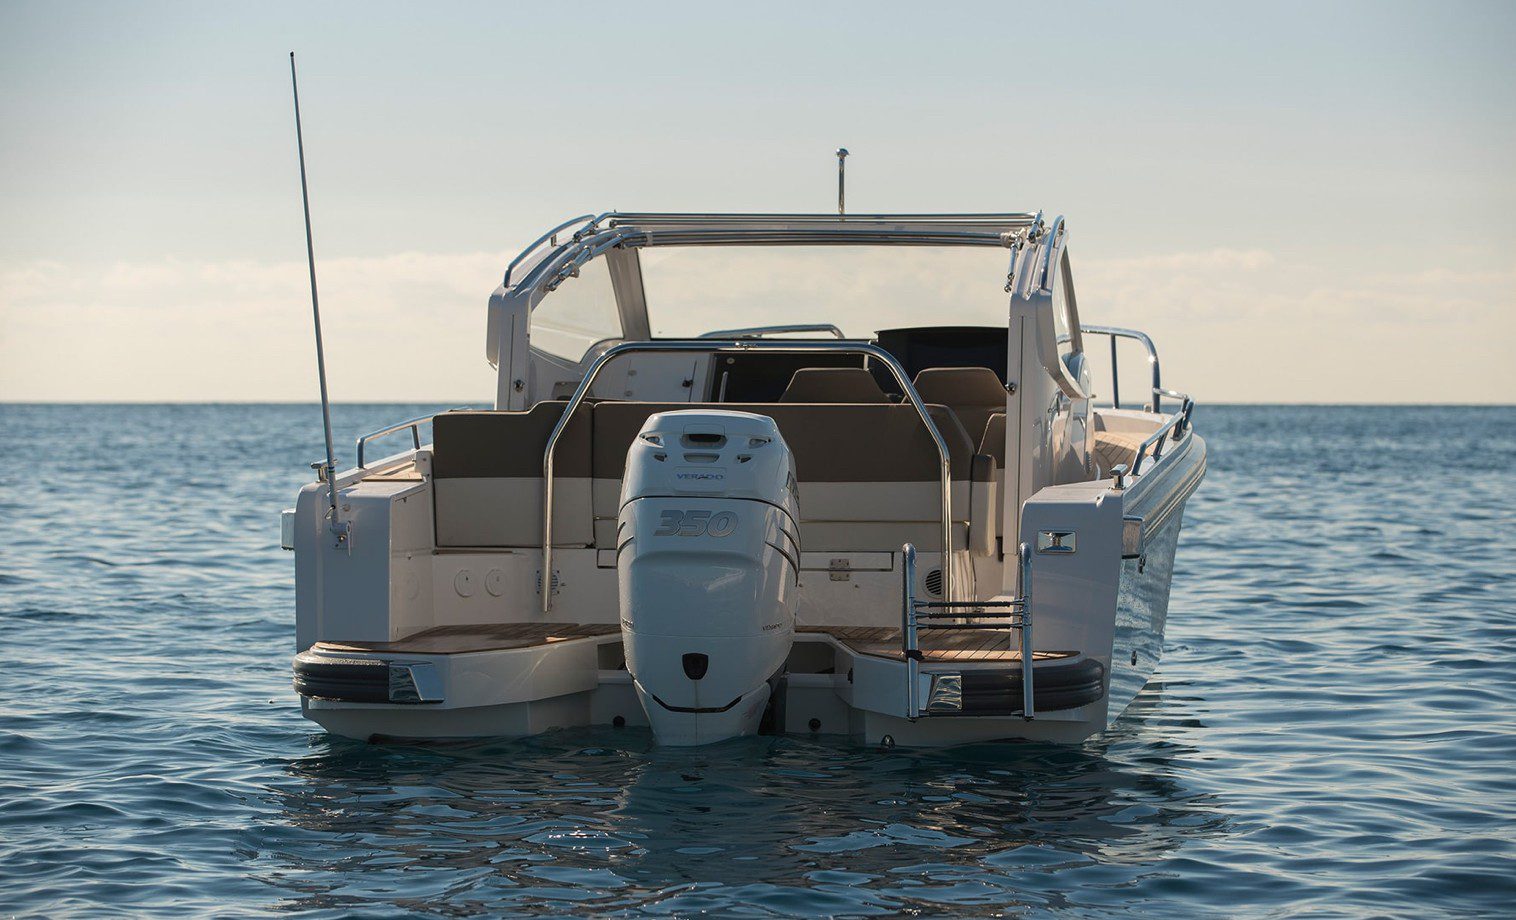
point(465, 403)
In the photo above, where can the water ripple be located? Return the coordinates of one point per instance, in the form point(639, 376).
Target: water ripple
point(1331, 731)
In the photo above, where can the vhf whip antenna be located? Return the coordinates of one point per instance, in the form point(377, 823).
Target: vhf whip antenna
point(841, 182)
point(328, 471)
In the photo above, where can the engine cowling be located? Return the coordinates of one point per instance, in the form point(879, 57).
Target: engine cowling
point(708, 556)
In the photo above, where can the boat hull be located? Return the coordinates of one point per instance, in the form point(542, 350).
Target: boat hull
point(575, 674)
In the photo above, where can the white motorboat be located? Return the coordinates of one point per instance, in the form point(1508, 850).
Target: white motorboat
point(910, 534)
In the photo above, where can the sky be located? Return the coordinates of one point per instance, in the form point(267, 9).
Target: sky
point(1301, 202)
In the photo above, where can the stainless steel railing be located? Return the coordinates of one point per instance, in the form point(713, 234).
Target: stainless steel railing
point(798, 346)
point(639, 230)
point(1174, 428)
point(754, 332)
point(413, 424)
point(1017, 615)
point(588, 220)
point(1117, 332)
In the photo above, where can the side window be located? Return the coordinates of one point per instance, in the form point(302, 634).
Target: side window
point(1065, 319)
point(577, 315)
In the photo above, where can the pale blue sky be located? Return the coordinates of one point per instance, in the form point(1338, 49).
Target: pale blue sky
point(1311, 202)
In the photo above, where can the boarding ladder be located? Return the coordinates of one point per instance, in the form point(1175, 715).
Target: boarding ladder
point(945, 692)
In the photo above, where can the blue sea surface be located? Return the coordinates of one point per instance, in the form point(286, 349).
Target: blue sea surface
point(1332, 729)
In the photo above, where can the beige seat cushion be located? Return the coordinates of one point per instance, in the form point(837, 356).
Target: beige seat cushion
point(489, 444)
point(833, 385)
point(868, 473)
point(832, 442)
point(974, 393)
point(487, 477)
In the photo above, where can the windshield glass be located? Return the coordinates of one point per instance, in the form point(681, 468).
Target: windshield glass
point(862, 289)
point(581, 312)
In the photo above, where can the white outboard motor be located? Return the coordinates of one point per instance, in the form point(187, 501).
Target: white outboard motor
point(708, 556)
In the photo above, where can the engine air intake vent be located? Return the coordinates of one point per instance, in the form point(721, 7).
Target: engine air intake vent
point(933, 582)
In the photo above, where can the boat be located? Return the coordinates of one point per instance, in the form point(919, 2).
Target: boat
point(919, 534)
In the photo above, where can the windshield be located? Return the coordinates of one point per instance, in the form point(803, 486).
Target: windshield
point(862, 289)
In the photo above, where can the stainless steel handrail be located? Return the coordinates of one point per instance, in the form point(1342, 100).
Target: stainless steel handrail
point(649, 229)
point(567, 260)
point(811, 235)
point(753, 332)
point(540, 240)
point(1116, 332)
point(1053, 241)
point(1174, 428)
point(653, 219)
point(413, 424)
point(1186, 402)
point(1028, 651)
point(1018, 614)
point(908, 647)
point(590, 247)
point(716, 346)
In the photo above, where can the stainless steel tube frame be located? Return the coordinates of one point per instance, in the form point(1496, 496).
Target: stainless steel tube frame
point(413, 424)
point(715, 346)
point(581, 219)
point(754, 332)
point(1028, 707)
point(908, 647)
point(1117, 332)
point(1174, 427)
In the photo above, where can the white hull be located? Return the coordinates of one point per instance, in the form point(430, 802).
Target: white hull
point(829, 689)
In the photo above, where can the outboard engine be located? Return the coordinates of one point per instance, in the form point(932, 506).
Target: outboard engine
point(708, 563)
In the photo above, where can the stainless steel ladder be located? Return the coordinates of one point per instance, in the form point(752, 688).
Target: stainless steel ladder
point(1015, 613)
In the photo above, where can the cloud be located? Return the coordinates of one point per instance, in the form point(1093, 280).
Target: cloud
point(1232, 324)
point(402, 326)
point(1254, 286)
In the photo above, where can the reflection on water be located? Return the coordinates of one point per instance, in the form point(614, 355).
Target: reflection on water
point(602, 819)
point(1333, 734)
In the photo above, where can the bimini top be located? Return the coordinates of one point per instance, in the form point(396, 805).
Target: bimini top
point(560, 252)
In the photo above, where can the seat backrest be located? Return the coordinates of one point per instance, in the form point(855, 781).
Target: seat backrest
point(832, 442)
point(487, 477)
point(974, 393)
point(488, 444)
point(993, 442)
point(833, 385)
point(868, 474)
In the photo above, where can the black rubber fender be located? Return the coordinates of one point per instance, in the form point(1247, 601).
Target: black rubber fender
point(347, 680)
point(1054, 687)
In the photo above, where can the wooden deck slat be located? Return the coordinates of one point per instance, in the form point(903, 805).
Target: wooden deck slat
point(937, 645)
point(453, 640)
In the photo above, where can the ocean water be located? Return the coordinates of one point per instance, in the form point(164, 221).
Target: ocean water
point(1332, 730)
